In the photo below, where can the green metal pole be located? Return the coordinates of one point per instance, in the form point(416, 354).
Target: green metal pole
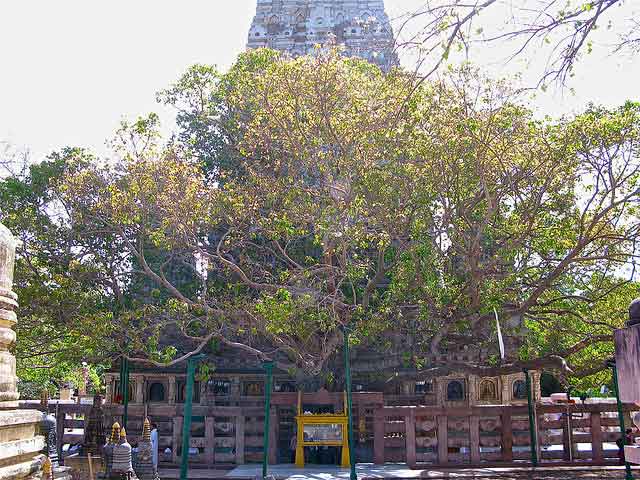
point(119, 390)
point(347, 372)
point(125, 392)
point(627, 466)
point(186, 421)
point(268, 366)
point(532, 421)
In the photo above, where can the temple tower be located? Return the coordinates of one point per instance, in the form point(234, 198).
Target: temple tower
point(295, 26)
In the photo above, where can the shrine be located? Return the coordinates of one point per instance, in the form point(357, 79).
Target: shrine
point(321, 430)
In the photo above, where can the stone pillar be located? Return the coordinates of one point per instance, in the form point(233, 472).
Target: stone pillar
point(234, 390)
point(537, 388)
point(20, 439)
point(472, 381)
point(108, 389)
point(203, 393)
point(139, 392)
point(82, 388)
point(172, 390)
point(407, 388)
point(505, 381)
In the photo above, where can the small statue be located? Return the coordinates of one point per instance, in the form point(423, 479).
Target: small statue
point(122, 458)
point(48, 427)
point(47, 469)
point(634, 313)
point(107, 450)
point(44, 400)
point(94, 438)
point(145, 469)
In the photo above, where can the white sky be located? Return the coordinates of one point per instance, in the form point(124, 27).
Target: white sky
point(71, 69)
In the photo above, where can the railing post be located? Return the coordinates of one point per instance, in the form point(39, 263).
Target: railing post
point(175, 440)
point(567, 452)
point(125, 392)
point(60, 414)
point(474, 438)
point(410, 437)
point(378, 436)
point(532, 421)
point(507, 435)
point(240, 439)
point(273, 436)
point(443, 440)
point(596, 437)
point(268, 366)
point(210, 436)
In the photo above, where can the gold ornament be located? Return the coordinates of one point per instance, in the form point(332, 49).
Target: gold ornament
point(146, 431)
point(115, 433)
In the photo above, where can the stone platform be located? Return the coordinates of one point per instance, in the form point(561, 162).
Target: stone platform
point(632, 454)
point(20, 444)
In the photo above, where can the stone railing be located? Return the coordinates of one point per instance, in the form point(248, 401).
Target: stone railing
point(500, 435)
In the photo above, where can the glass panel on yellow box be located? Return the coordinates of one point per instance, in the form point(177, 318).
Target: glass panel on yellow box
point(323, 433)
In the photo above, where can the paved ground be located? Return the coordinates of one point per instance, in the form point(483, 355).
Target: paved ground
point(401, 472)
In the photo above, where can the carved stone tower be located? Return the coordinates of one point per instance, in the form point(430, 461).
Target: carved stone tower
point(20, 442)
point(296, 26)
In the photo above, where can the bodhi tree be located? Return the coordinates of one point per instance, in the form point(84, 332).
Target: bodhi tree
point(411, 213)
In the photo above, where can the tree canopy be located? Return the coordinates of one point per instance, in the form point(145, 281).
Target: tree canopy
point(64, 303)
point(301, 196)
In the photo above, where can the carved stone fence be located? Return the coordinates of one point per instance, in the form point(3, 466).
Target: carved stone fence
point(70, 420)
point(498, 435)
point(219, 435)
point(425, 435)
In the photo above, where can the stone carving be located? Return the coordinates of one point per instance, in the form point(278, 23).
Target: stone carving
point(145, 469)
point(360, 27)
point(488, 391)
point(48, 428)
point(94, 437)
point(44, 399)
point(122, 457)
point(428, 425)
point(489, 425)
point(107, 451)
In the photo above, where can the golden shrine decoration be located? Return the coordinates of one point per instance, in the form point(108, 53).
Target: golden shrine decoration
point(322, 430)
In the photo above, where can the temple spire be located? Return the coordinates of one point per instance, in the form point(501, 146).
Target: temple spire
point(361, 27)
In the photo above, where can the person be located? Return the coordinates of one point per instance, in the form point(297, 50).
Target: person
point(154, 445)
point(628, 440)
point(293, 444)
